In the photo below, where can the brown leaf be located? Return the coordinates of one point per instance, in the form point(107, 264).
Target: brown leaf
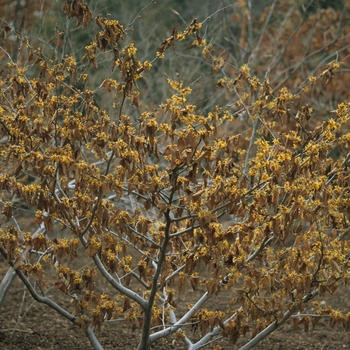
point(148, 204)
point(194, 282)
point(82, 323)
point(61, 286)
point(7, 211)
point(181, 144)
point(135, 101)
point(6, 30)
point(127, 304)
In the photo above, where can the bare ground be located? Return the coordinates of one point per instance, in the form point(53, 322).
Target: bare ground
point(26, 324)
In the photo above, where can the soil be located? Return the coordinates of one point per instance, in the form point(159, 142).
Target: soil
point(26, 324)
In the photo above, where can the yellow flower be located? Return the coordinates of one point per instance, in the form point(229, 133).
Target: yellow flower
point(177, 99)
point(176, 85)
point(245, 69)
point(147, 65)
point(131, 49)
point(335, 65)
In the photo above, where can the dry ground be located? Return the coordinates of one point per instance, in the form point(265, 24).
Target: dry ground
point(28, 325)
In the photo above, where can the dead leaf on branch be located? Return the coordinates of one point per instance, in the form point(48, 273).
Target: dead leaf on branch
point(7, 29)
point(7, 211)
point(169, 42)
point(78, 9)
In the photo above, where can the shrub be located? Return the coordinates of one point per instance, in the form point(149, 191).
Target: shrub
point(246, 199)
